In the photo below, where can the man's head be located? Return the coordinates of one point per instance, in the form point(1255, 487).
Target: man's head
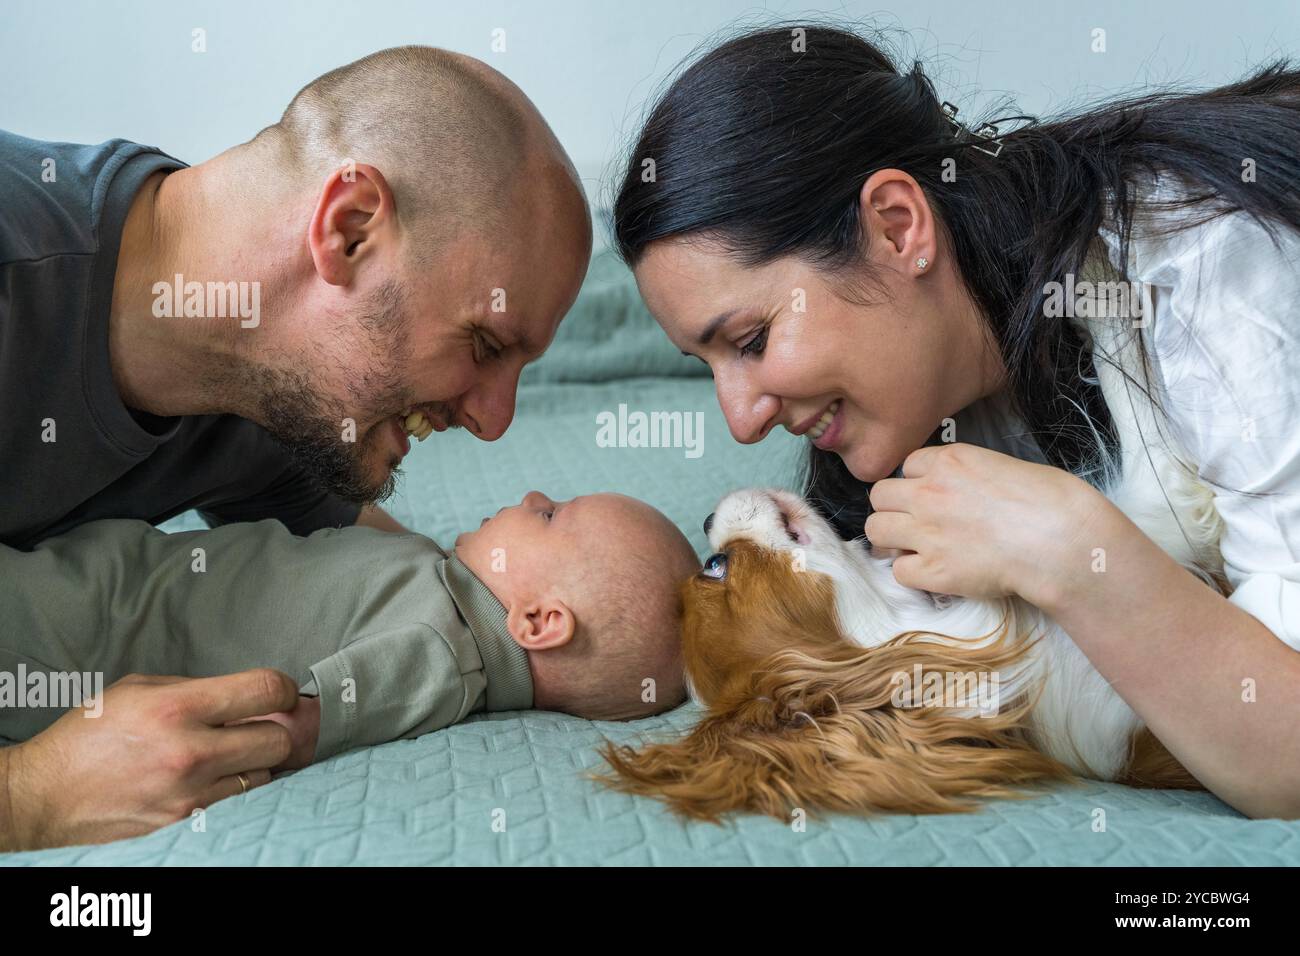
point(590, 587)
point(430, 234)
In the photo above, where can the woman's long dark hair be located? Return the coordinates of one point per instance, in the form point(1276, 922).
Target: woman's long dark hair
point(766, 148)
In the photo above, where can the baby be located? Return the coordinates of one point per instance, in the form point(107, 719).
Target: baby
point(568, 606)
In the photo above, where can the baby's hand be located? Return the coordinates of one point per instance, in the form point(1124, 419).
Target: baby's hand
point(303, 724)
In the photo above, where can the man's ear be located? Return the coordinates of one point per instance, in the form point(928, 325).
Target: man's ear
point(354, 211)
point(540, 625)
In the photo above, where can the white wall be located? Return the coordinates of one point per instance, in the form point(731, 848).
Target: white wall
point(85, 71)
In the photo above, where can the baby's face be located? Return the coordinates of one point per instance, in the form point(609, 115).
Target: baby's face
point(526, 547)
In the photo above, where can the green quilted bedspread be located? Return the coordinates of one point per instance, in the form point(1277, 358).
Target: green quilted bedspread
point(510, 788)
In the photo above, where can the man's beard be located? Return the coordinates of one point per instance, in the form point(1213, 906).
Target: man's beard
point(292, 411)
point(311, 425)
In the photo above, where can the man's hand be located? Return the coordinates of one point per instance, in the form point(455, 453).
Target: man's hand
point(160, 750)
point(303, 724)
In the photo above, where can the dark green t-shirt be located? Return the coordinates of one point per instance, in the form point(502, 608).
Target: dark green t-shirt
point(70, 450)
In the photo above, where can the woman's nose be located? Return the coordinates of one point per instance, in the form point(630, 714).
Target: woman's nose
point(750, 413)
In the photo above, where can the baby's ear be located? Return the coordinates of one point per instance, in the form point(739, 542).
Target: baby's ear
point(540, 625)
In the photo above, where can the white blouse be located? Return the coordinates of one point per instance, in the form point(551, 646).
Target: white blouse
point(1223, 335)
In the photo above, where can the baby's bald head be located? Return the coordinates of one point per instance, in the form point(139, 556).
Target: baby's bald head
point(591, 587)
point(625, 596)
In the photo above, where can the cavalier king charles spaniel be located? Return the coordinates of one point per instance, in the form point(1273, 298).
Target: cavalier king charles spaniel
point(831, 687)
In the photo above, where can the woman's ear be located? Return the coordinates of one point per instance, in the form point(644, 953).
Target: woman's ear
point(827, 734)
point(540, 625)
point(895, 215)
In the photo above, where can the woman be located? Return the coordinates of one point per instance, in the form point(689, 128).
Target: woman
point(857, 267)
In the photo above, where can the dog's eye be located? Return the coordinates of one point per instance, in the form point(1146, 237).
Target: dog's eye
point(715, 566)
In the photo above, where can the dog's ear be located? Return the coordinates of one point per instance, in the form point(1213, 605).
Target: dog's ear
point(710, 772)
point(828, 733)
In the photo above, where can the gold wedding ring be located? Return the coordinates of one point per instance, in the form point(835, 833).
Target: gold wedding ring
point(243, 783)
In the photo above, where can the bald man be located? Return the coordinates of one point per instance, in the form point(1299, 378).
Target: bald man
point(259, 336)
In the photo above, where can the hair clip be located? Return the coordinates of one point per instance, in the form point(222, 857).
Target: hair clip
point(986, 131)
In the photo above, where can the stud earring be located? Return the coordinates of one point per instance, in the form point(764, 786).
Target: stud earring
point(922, 263)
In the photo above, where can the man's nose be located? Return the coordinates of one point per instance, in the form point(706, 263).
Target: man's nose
point(492, 408)
point(708, 522)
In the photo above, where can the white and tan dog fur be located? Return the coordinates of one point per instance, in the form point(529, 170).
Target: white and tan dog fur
point(797, 642)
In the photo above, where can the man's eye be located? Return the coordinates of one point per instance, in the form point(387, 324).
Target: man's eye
point(755, 345)
point(548, 514)
point(487, 349)
point(715, 566)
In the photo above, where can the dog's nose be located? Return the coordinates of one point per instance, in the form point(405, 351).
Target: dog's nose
point(708, 523)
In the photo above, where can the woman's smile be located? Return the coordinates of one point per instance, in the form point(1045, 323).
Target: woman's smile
point(826, 427)
point(823, 429)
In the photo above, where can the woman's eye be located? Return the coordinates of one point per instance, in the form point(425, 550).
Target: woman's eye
point(548, 514)
point(715, 566)
point(755, 345)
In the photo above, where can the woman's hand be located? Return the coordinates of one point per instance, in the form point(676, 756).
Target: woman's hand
point(982, 524)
